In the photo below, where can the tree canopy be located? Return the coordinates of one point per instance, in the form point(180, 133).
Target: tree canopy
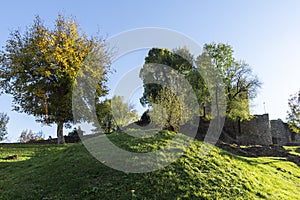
point(39, 68)
point(115, 113)
point(167, 89)
point(237, 79)
point(293, 116)
point(166, 59)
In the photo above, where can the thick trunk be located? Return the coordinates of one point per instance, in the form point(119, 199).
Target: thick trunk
point(60, 133)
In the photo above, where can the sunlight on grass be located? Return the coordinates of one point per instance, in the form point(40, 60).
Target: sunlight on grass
point(293, 149)
point(70, 172)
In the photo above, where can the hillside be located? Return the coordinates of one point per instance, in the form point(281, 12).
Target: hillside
point(70, 172)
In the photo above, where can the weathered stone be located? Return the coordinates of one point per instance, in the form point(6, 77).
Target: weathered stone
point(295, 138)
point(281, 134)
point(256, 131)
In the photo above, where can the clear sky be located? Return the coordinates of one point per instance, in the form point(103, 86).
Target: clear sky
point(266, 34)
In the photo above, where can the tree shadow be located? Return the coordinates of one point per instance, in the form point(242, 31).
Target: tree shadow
point(260, 151)
point(297, 150)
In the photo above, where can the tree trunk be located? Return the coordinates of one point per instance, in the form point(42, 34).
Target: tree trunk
point(60, 133)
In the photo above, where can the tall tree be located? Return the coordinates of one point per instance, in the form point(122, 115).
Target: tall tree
point(166, 77)
point(220, 70)
point(39, 68)
point(3, 125)
point(166, 59)
point(293, 116)
point(237, 79)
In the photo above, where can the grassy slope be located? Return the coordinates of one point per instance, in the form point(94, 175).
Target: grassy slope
point(70, 172)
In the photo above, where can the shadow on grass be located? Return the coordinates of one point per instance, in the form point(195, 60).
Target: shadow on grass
point(261, 151)
point(67, 172)
point(297, 150)
point(51, 168)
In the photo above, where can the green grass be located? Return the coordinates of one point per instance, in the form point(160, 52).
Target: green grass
point(293, 149)
point(70, 172)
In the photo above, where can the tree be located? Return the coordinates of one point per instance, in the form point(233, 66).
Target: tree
point(219, 68)
point(293, 116)
point(3, 125)
point(105, 116)
point(115, 113)
point(123, 112)
point(166, 59)
point(203, 62)
point(39, 69)
point(26, 136)
point(237, 79)
point(167, 111)
point(167, 75)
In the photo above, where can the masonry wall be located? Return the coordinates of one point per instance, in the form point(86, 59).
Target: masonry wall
point(256, 131)
point(296, 138)
point(281, 134)
point(259, 131)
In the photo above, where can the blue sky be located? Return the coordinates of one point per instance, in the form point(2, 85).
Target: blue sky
point(266, 34)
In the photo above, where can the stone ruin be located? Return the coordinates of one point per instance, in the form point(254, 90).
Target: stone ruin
point(261, 131)
point(282, 134)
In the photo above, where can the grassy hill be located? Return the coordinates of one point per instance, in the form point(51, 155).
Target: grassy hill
point(70, 172)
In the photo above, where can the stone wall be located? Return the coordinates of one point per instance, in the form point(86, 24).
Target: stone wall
point(281, 134)
point(296, 138)
point(256, 131)
point(259, 131)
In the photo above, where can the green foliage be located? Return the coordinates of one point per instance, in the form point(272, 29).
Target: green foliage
point(123, 112)
point(237, 79)
point(293, 116)
point(166, 59)
point(216, 65)
point(39, 68)
point(115, 113)
point(3, 125)
point(105, 116)
point(216, 175)
point(169, 110)
point(170, 82)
